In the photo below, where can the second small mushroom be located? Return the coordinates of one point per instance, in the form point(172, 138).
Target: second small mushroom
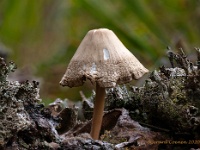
point(105, 61)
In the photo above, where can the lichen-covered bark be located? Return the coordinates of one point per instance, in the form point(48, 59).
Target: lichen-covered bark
point(23, 124)
point(171, 97)
point(166, 107)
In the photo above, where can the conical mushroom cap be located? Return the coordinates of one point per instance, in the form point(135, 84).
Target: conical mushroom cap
point(102, 58)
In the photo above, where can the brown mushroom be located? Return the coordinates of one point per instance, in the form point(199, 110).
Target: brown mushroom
point(104, 60)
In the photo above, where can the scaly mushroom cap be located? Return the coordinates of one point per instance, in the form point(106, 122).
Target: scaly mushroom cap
point(102, 58)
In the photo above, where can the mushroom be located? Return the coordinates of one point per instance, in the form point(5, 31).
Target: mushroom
point(105, 61)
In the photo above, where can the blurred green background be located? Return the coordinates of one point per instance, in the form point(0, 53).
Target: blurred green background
point(41, 36)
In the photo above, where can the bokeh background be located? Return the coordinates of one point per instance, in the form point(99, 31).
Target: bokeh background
point(41, 36)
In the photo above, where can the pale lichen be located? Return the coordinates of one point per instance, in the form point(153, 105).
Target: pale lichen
point(20, 113)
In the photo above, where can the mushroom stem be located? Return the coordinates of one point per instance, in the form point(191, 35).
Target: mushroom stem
point(98, 112)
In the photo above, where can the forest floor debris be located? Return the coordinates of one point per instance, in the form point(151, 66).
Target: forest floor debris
point(162, 114)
